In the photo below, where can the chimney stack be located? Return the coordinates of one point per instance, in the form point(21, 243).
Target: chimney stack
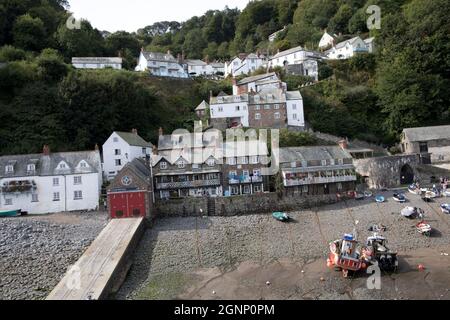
point(169, 52)
point(142, 49)
point(134, 131)
point(96, 148)
point(46, 150)
point(155, 150)
point(160, 132)
point(343, 144)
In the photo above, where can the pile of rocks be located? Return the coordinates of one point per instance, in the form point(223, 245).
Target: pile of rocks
point(36, 251)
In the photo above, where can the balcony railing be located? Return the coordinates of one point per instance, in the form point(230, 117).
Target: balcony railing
point(188, 184)
point(246, 179)
point(308, 181)
point(18, 186)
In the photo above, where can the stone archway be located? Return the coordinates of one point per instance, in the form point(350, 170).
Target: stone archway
point(406, 175)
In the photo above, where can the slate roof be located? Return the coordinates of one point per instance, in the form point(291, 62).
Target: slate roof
point(293, 95)
point(427, 133)
point(134, 139)
point(140, 168)
point(158, 56)
point(97, 60)
point(256, 78)
point(343, 43)
point(218, 65)
point(202, 106)
point(268, 96)
point(369, 40)
point(229, 99)
point(287, 52)
point(288, 155)
point(48, 165)
point(195, 62)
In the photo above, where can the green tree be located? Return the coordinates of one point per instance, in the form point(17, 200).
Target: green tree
point(29, 33)
point(9, 53)
point(51, 66)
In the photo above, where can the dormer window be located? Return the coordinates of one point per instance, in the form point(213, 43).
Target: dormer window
point(9, 169)
point(31, 168)
point(83, 165)
point(211, 162)
point(163, 165)
point(62, 166)
point(181, 164)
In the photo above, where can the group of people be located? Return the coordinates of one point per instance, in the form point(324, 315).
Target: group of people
point(444, 183)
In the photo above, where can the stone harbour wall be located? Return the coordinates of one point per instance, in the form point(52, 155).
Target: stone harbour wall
point(385, 172)
point(240, 205)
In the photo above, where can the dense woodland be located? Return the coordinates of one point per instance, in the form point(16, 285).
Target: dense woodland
point(372, 97)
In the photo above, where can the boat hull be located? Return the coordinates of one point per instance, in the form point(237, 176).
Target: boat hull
point(9, 213)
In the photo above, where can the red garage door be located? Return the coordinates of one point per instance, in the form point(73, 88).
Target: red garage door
point(127, 204)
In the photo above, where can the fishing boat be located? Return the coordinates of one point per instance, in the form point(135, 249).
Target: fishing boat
point(10, 213)
point(281, 216)
point(445, 208)
point(399, 197)
point(380, 199)
point(345, 255)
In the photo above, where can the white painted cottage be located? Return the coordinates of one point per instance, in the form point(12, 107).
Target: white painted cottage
point(347, 49)
point(307, 60)
point(326, 41)
point(51, 182)
point(122, 148)
point(97, 63)
point(161, 65)
point(244, 64)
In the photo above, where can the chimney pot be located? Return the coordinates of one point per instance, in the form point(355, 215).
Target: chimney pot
point(96, 148)
point(343, 144)
point(160, 132)
point(134, 131)
point(46, 150)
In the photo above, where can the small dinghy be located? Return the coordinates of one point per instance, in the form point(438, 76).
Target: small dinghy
point(399, 197)
point(10, 213)
point(424, 228)
point(445, 208)
point(359, 196)
point(281, 216)
point(380, 199)
point(411, 212)
point(368, 194)
point(414, 190)
point(446, 194)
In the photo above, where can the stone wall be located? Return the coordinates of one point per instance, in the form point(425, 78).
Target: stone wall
point(385, 172)
point(240, 205)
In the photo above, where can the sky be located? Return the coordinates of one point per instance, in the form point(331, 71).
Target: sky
point(130, 15)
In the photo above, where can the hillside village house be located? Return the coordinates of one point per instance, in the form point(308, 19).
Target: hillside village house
point(432, 143)
point(258, 83)
point(244, 64)
point(348, 48)
point(161, 65)
point(326, 41)
point(263, 102)
point(122, 148)
point(201, 109)
point(307, 61)
point(243, 166)
point(51, 182)
point(197, 68)
point(187, 165)
point(97, 63)
point(317, 170)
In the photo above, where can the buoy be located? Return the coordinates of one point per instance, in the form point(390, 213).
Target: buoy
point(268, 283)
point(421, 267)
